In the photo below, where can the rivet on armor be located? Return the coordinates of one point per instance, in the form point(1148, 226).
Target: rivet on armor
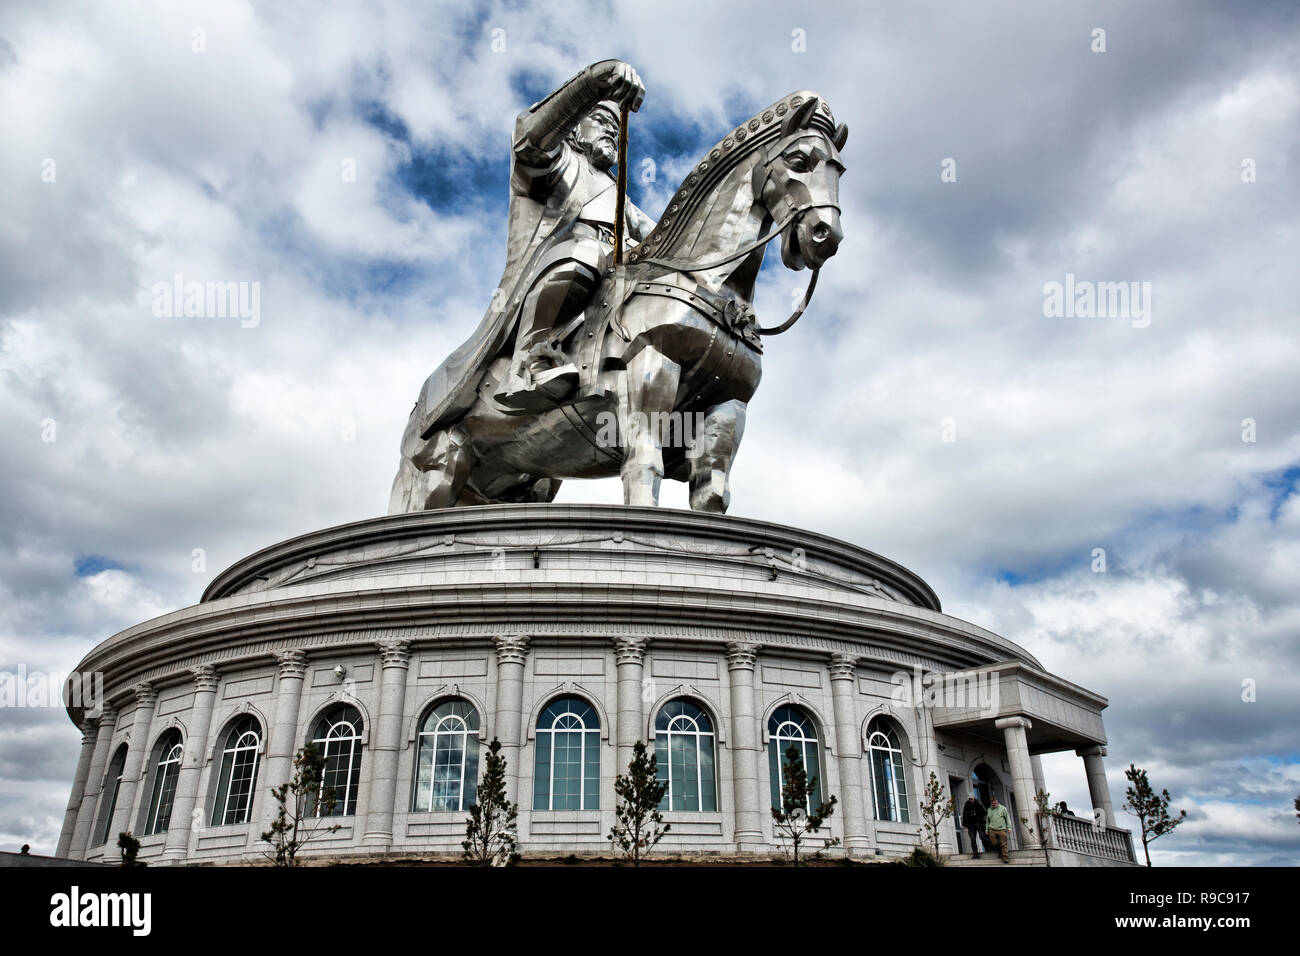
point(753, 125)
point(797, 102)
point(726, 144)
point(740, 135)
point(767, 116)
point(782, 109)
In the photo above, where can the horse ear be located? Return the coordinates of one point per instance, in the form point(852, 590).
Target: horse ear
point(841, 135)
point(799, 118)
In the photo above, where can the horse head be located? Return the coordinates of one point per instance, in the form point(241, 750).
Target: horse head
point(798, 182)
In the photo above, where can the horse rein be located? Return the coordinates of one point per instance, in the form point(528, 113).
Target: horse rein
point(794, 216)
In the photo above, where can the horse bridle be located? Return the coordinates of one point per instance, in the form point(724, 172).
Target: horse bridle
point(796, 213)
point(793, 217)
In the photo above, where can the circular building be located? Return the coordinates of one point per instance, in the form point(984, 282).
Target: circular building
point(402, 645)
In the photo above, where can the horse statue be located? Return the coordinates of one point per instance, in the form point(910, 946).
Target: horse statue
point(668, 351)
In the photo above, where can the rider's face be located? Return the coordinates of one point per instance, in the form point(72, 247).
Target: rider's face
point(598, 135)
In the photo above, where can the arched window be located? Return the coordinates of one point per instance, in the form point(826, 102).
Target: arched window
point(566, 772)
point(167, 768)
point(888, 772)
point(446, 768)
point(108, 799)
point(238, 775)
point(791, 727)
point(684, 757)
point(337, 738)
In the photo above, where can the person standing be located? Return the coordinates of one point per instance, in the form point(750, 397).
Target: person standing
point(972, 820)
point(998, 825)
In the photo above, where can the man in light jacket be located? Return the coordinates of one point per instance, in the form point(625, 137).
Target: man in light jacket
point(998, 825)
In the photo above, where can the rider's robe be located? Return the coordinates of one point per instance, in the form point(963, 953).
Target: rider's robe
point(549, 191)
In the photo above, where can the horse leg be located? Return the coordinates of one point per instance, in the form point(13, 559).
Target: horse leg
point(433, 473)
point(711, 454)
point(649, 396)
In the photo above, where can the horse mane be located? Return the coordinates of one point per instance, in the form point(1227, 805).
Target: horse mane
point(702, 182)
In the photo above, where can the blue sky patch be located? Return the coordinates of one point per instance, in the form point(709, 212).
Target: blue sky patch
point(92, 564)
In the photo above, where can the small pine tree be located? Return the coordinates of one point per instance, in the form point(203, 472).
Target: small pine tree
point(130, 848)
point(935, 808)
point(1151, 809)
point(1043, 814)
point(639, 824)
point(491, 829)
point(797, 817)
point(303, 799)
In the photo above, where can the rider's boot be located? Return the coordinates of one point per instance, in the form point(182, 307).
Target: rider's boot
point(541, 375)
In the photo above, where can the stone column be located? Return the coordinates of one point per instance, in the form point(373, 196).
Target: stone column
point(630, 657)
point(396, 659)
point(88, 737)
point(848, 744)
point(1040, 781)
point(749, 797)
point(1098, 788)
point(1022, 777)
point(281, 743)
point(94, 783)
point(185, 802)
point(512, 653)
point(930, 764)
point(146, 701)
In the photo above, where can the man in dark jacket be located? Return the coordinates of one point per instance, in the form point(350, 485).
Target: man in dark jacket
point(972, 819)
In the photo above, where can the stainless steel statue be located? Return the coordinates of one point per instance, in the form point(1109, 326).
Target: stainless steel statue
point(591, 363)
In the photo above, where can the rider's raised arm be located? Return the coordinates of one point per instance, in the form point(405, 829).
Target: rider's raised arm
point(541, 129)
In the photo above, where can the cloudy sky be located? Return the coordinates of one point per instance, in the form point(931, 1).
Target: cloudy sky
point(926, 407)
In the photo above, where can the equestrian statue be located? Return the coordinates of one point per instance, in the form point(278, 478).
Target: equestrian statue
point(615, 345)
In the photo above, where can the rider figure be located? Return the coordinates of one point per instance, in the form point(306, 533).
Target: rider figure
point(563, 149)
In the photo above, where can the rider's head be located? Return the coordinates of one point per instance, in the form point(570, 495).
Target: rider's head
point(597, 135)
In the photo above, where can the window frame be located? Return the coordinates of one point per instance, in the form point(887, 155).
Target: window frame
point(165, 770)
point(107, 810)
point(323, 737)
point(896, 757)
point(701, 738)
point(809, 744)
point(427, 742)
point(248, 742)
point(582, 711)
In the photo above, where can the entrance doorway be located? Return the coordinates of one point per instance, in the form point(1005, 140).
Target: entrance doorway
point(958, 800)
point(986, 784)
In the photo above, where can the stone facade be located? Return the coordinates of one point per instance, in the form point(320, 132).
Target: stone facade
point(507, 608)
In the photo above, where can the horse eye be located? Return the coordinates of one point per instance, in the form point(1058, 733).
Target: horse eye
point(797, 162)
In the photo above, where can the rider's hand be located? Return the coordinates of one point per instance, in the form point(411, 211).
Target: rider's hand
point(620, 81)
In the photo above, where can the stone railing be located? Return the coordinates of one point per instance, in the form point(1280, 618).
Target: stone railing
point(1081, 835)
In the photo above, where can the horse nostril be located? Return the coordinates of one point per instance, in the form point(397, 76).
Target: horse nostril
point(820, 232)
